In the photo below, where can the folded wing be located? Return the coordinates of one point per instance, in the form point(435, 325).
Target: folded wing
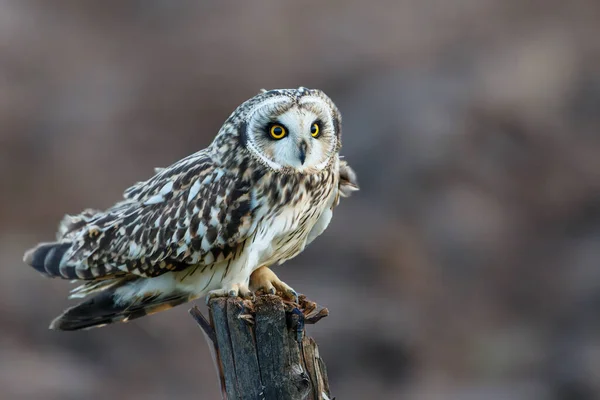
point(194, 212)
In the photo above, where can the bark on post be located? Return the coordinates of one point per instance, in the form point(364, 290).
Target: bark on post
point(260, 349)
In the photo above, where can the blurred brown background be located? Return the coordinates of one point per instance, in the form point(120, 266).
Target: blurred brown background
point(468, 267)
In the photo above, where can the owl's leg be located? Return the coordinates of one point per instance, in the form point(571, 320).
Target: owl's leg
point(265, 280)
point(233, 290)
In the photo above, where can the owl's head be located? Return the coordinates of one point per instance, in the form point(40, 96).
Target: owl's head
point(289, 130)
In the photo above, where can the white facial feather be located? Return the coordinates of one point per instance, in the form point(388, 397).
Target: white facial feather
point(298, 120)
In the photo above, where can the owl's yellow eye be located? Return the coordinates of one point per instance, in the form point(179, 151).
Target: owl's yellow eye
point(277, 131)
point(315, 130)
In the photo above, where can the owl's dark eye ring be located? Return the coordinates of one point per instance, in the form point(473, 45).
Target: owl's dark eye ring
point(315, 130)
point(277, 131)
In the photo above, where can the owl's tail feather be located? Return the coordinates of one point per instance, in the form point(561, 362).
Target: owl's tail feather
point(104, 309)
point(47, 259)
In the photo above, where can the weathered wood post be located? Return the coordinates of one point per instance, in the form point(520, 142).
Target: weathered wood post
point(261, 351)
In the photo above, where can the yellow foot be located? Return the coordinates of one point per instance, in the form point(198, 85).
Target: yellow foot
point(232, 290)
point(264, 280)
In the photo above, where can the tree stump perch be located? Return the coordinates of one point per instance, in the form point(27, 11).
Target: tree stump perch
point(261, 351)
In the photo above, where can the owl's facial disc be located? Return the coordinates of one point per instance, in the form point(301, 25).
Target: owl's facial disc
point(289, 135)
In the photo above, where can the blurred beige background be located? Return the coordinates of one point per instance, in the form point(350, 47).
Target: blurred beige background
point(468, 267)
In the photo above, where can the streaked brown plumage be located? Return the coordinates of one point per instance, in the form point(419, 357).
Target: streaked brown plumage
point(203, 225)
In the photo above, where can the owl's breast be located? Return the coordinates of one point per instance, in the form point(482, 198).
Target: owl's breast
point(289, 225)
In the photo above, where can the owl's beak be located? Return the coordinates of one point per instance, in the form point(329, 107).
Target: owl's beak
point(303, 146)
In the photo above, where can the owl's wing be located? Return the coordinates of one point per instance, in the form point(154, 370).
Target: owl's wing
point(194, 212)
point(348, 180)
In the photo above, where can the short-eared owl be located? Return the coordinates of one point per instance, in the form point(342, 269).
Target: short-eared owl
point(255, 197)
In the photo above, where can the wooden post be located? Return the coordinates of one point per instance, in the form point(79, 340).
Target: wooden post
point(261, 351)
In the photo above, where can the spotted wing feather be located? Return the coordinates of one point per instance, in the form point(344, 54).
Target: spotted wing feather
point(194, 212)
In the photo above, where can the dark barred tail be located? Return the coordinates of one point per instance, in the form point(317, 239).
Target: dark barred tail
point(102, 309)
point(47, 258)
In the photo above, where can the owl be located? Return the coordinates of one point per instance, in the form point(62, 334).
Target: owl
point(213, 223)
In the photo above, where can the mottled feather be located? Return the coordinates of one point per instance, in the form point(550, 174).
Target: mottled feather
point(204, 224)
point(192, 212)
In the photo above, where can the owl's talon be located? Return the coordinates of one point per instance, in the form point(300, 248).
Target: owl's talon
point(264, 280)
point(246, 293)
point(293, 295)
point(235, 290)
point(208, 298)
point(214, 294)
